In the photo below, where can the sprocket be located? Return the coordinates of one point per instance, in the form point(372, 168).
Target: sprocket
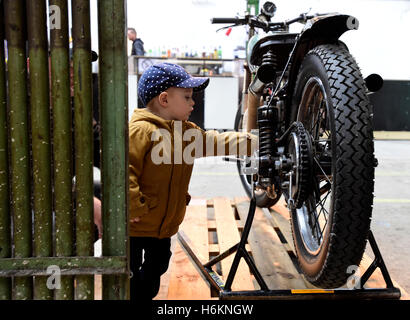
point(300, 151)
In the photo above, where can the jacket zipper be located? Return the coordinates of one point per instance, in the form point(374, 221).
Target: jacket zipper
point(172, 172)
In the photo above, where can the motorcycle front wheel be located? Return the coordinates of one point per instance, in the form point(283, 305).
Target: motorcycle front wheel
point(331, 225)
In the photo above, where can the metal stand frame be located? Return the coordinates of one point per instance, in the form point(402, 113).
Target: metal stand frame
point(225, 292)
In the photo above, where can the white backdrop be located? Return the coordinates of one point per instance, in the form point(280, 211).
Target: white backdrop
point(381, 44)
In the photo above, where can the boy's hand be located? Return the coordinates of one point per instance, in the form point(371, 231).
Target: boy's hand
point(135, 220)
point(97, 216)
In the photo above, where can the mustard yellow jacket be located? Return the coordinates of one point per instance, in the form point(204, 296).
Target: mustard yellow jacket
point(160, 167)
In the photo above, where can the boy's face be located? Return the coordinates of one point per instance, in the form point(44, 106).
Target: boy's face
point(180, 103)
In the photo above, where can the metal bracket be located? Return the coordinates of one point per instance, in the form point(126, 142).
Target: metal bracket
point(224, 289)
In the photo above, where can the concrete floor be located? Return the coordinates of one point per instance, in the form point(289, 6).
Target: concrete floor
point(213, 177)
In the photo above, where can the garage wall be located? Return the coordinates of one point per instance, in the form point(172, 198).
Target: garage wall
point(392, 106)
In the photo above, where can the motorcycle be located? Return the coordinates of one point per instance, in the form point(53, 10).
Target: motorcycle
point(306, 97)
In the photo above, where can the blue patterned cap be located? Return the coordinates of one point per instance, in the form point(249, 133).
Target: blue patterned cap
point(162, 76)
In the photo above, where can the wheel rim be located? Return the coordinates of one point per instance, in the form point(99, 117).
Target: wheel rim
point(314, 215)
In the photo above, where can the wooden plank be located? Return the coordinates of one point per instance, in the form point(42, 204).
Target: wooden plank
point(239, 224)
point(268, 252)
point(98, 277)
point(228, 236)
point(281, 208)
point(185, 282)
point(278, 220)
point(97, 287)
point(213, 249)
point(211, 225)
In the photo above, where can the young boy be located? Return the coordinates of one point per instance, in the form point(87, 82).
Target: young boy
point(160, 168)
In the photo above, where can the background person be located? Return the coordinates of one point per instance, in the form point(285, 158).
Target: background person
point(137, 44)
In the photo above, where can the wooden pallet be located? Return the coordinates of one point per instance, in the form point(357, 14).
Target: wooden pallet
point(215, 225)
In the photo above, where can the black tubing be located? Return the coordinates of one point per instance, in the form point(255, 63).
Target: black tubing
point(228, 20)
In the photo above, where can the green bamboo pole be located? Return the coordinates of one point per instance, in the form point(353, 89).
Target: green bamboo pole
point(114, 119)
point(40, 138)
point(19, 140)
point(62, 149)
point(5, 235)
point(83, 141)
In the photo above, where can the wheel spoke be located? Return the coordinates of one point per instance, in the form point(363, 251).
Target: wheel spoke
point(321, 233)
point(318, 230)
point(318, 119)
point(321, 203)
point(315, 127)
point(314, 228)
point(321, 169)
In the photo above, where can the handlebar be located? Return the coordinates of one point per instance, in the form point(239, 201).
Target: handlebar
point(301, 17)
point(253, 21)
point(229, 20)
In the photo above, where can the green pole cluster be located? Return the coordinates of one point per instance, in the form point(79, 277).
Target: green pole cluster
point(83, 141)
point(5, 235)
point(114, 120)
point(19, 139)
point(62, 146)
point(37, 153)
point(40, 138)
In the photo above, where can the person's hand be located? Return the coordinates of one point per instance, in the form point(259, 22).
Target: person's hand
point(135, 220)
point(97, 216)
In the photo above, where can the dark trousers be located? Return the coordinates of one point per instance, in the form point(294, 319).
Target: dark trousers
point(147, 268)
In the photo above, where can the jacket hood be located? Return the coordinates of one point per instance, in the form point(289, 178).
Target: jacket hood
point(145, 115)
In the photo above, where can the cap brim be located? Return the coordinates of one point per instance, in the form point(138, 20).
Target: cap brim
point(196, 83)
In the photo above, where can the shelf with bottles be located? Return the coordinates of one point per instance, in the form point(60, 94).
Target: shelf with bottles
point(194, 65)
point(185, 52)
